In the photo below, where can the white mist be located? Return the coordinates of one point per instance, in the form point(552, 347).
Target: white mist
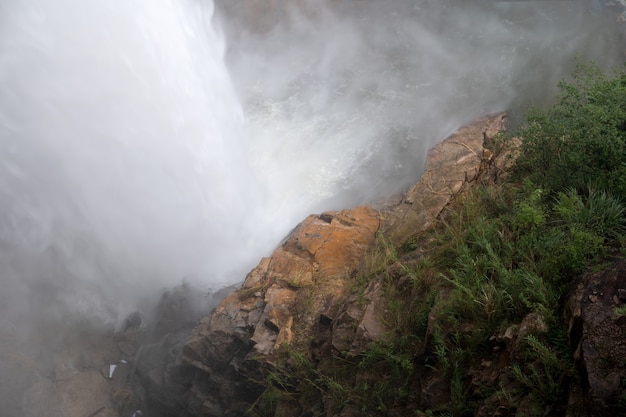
point(123, 165)
point(140, 147)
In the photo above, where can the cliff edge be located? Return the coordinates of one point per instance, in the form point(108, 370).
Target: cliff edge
point(301, 295)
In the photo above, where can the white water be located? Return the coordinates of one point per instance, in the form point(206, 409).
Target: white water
point(123, 160)
point(140, 146)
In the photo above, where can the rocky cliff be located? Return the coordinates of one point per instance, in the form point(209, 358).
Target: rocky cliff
point(307, 320)
point(271, 347)
point(302, 296)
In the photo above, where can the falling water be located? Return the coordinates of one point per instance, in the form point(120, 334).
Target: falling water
point(123, 157)
point(148, 142)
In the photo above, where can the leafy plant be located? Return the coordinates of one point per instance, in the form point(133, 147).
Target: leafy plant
point(582, 139)
point(597, 211)
point(542, 370)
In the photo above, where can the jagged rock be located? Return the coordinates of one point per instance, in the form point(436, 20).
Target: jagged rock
point(458, 160)
point(598, 333)
point(281, 299)
point(302, 293)
point(360, 320)
point(161, 378)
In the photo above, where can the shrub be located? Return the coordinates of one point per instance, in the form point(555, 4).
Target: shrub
point(582, 139)
point(597, 211)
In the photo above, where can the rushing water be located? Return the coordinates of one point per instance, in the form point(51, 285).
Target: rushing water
point(147, 142)
point(123, 159)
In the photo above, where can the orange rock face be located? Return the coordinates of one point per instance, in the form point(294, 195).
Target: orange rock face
point(321, 252)
point(334, 241)
point(303, 291)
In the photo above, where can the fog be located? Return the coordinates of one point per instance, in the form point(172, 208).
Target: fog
point(146, 143)
point(348, 99)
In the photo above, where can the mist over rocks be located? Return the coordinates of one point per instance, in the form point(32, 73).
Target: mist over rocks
point(301, 295)
point(90, 370)
point(146, 144)
point(301, 291)
point(182, 146)
point(383, 81)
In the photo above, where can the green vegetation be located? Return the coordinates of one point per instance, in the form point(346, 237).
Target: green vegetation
point(581, 141)
point(501, 258)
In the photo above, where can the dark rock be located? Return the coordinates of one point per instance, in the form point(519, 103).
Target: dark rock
point(599, 335)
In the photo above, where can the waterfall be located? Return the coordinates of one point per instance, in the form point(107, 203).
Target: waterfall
point(123, 163)
point(145, 143)
point(140, 149)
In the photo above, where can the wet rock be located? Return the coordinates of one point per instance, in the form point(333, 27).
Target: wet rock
point(160, 376)
point(78, 385)
point(41, 399)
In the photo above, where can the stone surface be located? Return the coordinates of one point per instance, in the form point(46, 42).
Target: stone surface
point(76, 387)
point(598, 334)
point(280, 302)
point(83, 395)
point(455, 162)
point(302, 293)
point(77, 380)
